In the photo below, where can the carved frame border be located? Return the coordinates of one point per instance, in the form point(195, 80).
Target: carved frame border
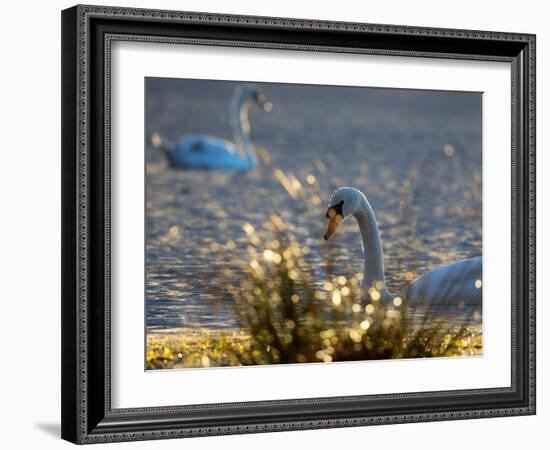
point(76, 414)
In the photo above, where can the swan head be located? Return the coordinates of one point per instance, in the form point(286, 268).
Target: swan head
point(253, 94)
point(343, 203)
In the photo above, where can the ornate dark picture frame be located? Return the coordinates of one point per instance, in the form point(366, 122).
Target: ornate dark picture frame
point(87, 34)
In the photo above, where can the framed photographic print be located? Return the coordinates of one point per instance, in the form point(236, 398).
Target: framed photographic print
point(281, 224)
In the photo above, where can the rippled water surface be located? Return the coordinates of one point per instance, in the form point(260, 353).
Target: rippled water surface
point(415, 154)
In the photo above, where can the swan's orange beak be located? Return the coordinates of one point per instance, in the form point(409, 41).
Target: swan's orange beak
point(334, 220)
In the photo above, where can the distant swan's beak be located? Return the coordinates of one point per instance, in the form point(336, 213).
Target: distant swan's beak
point(265, 104)
point(334, 221)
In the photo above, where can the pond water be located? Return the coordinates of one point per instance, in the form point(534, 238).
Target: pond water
point(415, 154)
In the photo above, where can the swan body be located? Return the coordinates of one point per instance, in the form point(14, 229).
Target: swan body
point(204, 152)
point(456, 284)
point(200, 151)
point(451, 284)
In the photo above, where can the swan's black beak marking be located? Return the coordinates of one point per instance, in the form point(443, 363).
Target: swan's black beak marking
point(335, 216)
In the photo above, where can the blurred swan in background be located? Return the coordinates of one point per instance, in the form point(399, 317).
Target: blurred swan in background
point(457, 284)
point(200, 151)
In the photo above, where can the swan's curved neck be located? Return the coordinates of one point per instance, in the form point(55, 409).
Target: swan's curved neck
point(373, 271)
point(241, 126)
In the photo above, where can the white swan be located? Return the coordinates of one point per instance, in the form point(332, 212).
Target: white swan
point(200, 151)
point(453, 284)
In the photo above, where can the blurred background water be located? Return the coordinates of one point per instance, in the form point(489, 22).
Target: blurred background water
point(415, 154)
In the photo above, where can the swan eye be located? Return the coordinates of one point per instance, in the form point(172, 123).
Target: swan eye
point(335, 210)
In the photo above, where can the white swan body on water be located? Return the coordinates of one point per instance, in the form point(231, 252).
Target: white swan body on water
point(201, 151)
point(458, 283)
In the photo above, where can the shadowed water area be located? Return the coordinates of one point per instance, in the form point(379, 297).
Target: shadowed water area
point(415, 154)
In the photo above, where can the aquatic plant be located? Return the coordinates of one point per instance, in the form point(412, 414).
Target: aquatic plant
point(292, 317)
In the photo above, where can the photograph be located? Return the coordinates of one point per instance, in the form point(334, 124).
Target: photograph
point(301, 223)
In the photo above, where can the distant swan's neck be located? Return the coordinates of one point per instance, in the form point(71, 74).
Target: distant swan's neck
point(373, 271)
point(242, 128)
